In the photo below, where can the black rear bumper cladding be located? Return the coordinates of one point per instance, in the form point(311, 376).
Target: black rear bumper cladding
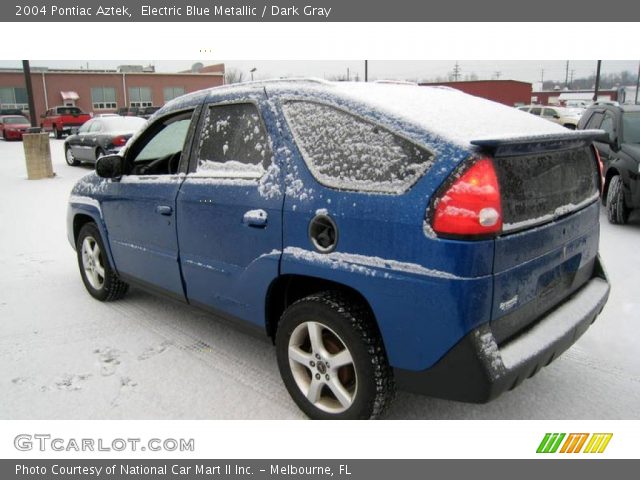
point(476, 370)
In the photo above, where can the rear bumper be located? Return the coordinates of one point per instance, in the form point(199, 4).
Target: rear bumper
point(478, 370)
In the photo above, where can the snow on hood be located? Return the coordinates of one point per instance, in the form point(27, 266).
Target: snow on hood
point(448, 113)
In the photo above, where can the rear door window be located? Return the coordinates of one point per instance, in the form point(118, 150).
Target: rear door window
point(233, 142)
point(347, 152)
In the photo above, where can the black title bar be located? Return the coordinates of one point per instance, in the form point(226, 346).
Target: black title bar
point(320, 11)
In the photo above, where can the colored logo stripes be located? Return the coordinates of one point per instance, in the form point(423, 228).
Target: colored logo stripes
point(574, 443)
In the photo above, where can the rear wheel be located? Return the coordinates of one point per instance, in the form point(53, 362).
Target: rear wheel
point(617, 211)
point(71, 160)
point(57, 133)
point(332, 360)
point(99, 153)
point(98, 277)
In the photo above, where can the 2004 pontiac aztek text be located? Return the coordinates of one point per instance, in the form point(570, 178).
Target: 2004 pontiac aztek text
point(383, 235)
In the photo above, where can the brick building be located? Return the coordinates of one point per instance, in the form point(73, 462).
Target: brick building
point(103, 91)
point(508, 92)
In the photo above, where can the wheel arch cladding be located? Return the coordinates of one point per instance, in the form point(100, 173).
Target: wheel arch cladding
point(80, 219)
point(288, 289)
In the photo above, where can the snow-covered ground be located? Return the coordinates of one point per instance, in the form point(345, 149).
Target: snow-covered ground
point(64, 355)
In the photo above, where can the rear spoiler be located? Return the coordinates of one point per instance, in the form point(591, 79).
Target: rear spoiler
point(523, 144)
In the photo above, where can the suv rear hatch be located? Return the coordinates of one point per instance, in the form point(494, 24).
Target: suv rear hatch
point(549, 243)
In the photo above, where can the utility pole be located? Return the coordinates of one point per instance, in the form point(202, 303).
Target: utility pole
point(456, 71)
point(542, 78)
point(26, 69)
point(366, 70)
point(595, 93)
point(571, 77)
point(347, 74)
point(566, 75)
point(497, 74)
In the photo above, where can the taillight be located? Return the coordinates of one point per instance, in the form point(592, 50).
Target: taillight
point(600, 166)
point(471, 205)
point(119, 141)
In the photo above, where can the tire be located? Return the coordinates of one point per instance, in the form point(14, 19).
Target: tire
point(343, 330)
point(100, 280)
point(57, 133)
point(617, 212)
point(68, 156)
point(99, 153)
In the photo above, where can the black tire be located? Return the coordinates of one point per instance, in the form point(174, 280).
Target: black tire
point(105, 287)
point(99, 153)
point(344, 324)
point(69, 158)
point(617, 211)
point(57, 133)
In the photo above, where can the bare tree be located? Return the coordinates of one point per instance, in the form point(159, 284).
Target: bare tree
point(233, 75)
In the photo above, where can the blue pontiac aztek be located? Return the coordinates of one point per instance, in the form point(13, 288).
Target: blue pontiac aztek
point(383, 235)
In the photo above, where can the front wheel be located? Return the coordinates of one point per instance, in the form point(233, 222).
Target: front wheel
point(617, 211)
point(70, 158)
point(99, 279)
point(332, 360)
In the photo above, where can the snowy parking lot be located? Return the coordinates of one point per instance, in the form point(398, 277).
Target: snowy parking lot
point(65, 355)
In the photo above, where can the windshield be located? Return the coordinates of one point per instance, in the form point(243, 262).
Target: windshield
point(15, 120)
point(122, 124)
point(631, 127)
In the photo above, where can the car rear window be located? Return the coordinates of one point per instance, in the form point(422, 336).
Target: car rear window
point(539, 187)
point(347, 152)
point(69, 111)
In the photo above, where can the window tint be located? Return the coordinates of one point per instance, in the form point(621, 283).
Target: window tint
point(167, 141)
point(607, 123)
point(594, 121)
point(349, 153)
point(535, 111)
point(631, 127)
point(233, 142)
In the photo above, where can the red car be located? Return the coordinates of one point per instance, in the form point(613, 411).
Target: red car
point(13, 126)
point(60, 120)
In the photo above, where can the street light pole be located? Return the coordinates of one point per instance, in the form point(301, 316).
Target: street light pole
point(251, 72)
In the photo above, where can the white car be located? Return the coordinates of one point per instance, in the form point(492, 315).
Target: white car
point(567, 117)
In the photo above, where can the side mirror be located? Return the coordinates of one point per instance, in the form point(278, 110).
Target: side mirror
point(556, 116)
point(110, 166)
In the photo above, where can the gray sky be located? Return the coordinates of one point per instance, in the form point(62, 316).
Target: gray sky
point(524, 70)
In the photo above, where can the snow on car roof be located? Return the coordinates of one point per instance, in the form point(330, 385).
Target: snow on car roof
point(449, 113)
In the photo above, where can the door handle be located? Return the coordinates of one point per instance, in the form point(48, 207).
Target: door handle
point(255, 218)
point(164, 210)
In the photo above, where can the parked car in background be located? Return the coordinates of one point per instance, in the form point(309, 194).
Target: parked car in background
point(13, 126)
point(60, 120)
point(620, 155)
point(146, 112)
point(100, 136)
point(382, 235)
point(567, 117)
point(13, 111)
point(128, 111)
